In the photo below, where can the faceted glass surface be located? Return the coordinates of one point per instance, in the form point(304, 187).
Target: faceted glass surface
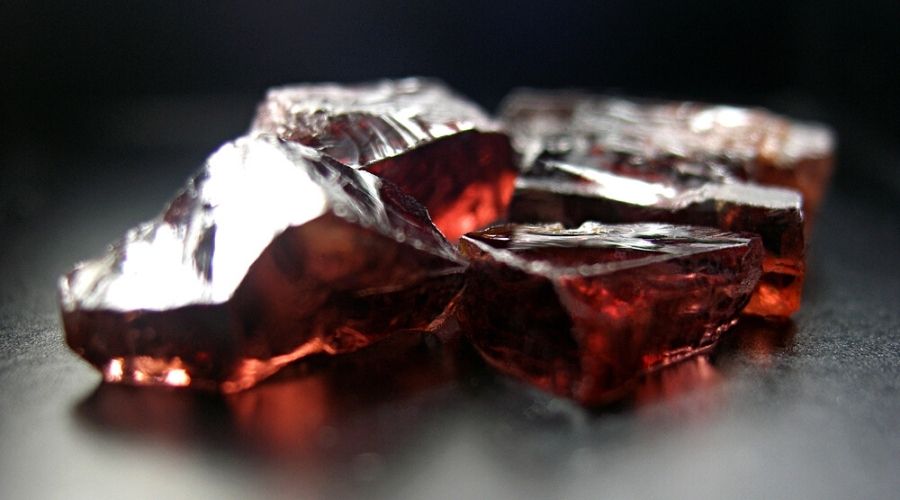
point(555, 191)
point(270, 253)
point(660, 140)
point(585, 312)
point(438, 147)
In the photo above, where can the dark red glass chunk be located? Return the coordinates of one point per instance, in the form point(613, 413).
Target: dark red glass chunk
point(656, 140)
point(585, 312)
point(271, 253)
point(554, 191)
point(438, 147)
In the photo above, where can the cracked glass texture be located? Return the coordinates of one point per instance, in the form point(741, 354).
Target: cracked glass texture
point(437, 146)
point(585, 312)
point(272, 252)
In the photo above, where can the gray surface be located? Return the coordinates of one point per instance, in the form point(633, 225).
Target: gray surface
point(807, 411)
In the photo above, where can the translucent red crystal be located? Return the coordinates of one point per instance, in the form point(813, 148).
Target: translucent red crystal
point(271, 253)
point(655, 140)
point(585, 312)
point(309, 236)
point(438, 147)
point(554, 191)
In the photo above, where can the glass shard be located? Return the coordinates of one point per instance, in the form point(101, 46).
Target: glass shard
point(272, 252)
point(657, 141)
point(438, 147)
point(585, 312)
point(554, 191)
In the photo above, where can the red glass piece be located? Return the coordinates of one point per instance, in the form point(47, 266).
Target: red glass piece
point(270, 254)
point(571, 194)
point(659, 140)
point(438, 147)
point(585, 312)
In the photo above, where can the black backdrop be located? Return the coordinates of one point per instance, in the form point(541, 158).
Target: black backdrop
point(734, 50)
point(818, 58)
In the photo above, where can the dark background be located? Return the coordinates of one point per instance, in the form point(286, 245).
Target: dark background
point(108, 106)
point(93, 78)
